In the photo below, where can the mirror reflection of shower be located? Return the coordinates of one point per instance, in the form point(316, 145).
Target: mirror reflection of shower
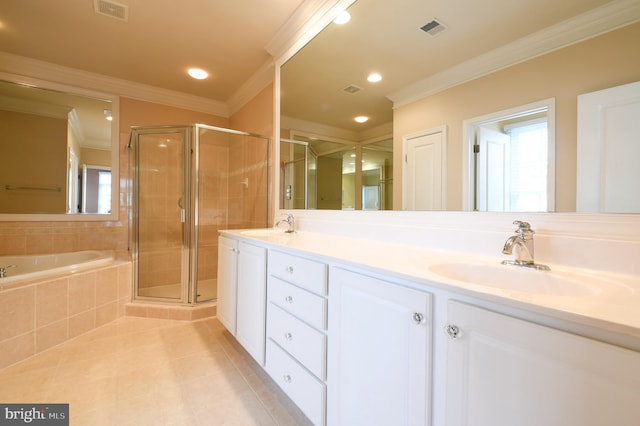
point(323, 173)
point(188, 182)
point(298, 177)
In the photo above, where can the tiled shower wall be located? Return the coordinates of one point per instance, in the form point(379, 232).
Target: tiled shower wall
point(233, 192)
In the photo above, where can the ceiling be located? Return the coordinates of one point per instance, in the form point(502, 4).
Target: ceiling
point(156, 45)
point(161, 39)
point(385, 36)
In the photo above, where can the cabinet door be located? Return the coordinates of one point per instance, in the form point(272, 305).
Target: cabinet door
point(506, 371)
point(379, 352)
point(227, 269)
point(252, 296)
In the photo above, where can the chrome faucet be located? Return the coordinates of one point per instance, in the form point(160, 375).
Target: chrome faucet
point(3, 270)
point(289, 220)
point(523, 243)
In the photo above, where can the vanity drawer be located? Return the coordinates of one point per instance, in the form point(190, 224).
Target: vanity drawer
point(305, 273)
point(307, 392)
point(300, 340)
point(301, 303)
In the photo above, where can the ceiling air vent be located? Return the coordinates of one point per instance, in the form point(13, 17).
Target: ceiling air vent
point(112, 9)
point(434, 27)
point(352, 88)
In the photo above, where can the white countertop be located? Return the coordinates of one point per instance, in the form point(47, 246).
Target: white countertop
point(611, 304)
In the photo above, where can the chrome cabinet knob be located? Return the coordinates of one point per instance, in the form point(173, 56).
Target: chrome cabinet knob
point(453, 331)
point(288, 336)
point(418, 318)
point(289, 269)
point(286, 378)
point(289, 299)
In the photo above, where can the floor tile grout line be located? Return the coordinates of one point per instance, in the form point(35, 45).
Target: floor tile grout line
point(244, 378)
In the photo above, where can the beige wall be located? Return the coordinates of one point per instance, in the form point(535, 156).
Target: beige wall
point(41, 145)
point(95, 157)
point(257, 116)
point(609, 60)
point(330, 181)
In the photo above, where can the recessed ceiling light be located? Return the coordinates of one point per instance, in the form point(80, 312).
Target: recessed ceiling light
point(342, 18)
point(374, 77)
point(361, 119)
point(198, 74)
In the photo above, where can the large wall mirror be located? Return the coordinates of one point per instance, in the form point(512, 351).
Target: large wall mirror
point(59, 152)
point(453, 76)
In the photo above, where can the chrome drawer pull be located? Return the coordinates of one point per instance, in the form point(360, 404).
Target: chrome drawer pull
point(287, 378)
point(288, 336)
point(289, 269)
point(288, 299)
point(418, 318)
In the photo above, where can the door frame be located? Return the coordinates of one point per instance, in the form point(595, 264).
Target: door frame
point(468, 140)
point(405, 176)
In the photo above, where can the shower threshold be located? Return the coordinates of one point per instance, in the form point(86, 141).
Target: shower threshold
point(207, 290)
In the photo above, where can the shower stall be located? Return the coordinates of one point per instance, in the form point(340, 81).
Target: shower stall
point(298, 175)
point(188, 182)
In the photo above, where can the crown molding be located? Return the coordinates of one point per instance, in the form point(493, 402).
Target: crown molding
point(319, 129)
point(33, 68)
point(304, 24)
point(606, 18)
point(264, 76)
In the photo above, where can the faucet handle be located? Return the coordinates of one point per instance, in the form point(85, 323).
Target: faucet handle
point(3, 270)
point(524, 228)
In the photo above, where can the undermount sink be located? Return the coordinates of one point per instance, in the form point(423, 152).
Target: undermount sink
point(270, 232)
point(514, 278)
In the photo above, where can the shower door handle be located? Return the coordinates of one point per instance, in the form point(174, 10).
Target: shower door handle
point(183, 213)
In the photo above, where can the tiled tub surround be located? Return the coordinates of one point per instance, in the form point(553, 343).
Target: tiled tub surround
point(40, 313)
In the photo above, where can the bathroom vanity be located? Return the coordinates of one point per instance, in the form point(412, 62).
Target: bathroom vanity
point(360, 331)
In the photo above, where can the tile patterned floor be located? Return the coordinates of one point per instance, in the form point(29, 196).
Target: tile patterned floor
point(141, 371)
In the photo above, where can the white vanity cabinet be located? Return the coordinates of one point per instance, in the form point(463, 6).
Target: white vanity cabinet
point(353, 345)
point(296, 330)
point(242, 293)
point(251, 293)
point(379, 356)
point(506, 371)
point(227, 282)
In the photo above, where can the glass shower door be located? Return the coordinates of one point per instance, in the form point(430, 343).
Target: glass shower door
point(161, 213)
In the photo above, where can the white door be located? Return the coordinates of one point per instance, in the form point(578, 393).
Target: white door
point(609, 150)
point(227, 274)
point(503, 371)
point(378, 353)
point(492, 171)
point(252, 297)
point(425, 168)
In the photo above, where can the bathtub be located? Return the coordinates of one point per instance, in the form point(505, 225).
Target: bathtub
point(48, 299)
point(28, 268)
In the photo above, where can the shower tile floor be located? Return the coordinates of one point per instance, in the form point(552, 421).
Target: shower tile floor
point(142, 371)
